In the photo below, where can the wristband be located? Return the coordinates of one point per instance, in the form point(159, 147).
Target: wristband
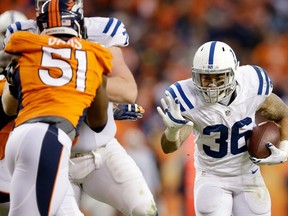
point(171, 135)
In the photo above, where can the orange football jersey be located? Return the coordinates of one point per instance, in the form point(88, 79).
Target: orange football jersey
point(2, 82)
point(55, 77)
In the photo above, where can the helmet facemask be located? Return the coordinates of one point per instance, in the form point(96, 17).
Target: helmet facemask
point(217, 92)
point(214, 61)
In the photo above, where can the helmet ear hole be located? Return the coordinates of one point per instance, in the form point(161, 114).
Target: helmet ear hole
point(214, 58)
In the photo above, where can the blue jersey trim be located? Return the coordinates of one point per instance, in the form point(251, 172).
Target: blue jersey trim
point(187, 101)
point(261, 81)
point(10, 29)
point(268, 81)
point(18, 26)
point(116, 28)
point(107, 27)
point(171, 91)
point(182, 95)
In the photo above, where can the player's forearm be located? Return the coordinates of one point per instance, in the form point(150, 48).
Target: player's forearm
point(121, 90)
point(284, 128)
point(121, 85)
point(172, 140)
point(168, 146)
point(97, 113)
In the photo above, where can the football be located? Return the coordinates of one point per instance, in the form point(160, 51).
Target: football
point(264, 132)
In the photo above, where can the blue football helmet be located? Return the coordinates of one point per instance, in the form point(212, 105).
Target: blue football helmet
point(61, 17)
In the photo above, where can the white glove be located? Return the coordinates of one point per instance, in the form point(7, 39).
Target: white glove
point(277, 156)
point(171, 117)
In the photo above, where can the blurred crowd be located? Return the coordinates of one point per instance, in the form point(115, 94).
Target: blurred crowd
point(164, 35)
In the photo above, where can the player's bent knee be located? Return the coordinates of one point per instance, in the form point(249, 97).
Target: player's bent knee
point(145, 210)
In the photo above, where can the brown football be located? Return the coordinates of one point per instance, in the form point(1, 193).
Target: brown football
point(261, 134)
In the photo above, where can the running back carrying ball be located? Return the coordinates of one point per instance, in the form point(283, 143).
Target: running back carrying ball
point(264, 132)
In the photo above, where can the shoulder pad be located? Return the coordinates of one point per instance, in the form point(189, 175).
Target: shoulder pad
point(182, 91)
point(256, 78)
point(107, 31)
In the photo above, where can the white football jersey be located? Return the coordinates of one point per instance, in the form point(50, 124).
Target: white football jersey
point(108, 32)
point(221, 131)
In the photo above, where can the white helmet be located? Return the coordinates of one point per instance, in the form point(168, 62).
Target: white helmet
point(6, 19)
point(214, 57)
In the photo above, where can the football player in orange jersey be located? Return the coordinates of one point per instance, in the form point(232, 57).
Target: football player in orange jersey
point(55, 83)
point(121, 87)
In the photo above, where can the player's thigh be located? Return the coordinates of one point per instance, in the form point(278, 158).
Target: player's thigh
point(119, 182)
point(5, 177)
point(41, 153)
point(253, 198)
point(211, 199)
point(22, 157)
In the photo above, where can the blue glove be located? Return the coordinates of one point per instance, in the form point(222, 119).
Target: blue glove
point(127, 111)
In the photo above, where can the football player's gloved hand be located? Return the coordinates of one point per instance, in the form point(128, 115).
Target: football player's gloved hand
point(172, 117)
point(127, 111)
point(277, 156)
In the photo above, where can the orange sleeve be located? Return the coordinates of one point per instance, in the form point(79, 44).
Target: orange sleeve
point(2, 83)
point(21, 42)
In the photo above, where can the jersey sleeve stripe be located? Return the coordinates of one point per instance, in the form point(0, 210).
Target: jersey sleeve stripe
point(18, 26)
point(107, 27)
point(187, 101)
point(171, 91)
point(268, 81)
point(261, 81)
point(10, 29)
point(116, 28)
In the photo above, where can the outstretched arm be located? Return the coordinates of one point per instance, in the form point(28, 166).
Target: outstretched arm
point(121, 85)
point(177, 128)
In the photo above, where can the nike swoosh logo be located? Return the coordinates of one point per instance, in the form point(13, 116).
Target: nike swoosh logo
point(254, 171)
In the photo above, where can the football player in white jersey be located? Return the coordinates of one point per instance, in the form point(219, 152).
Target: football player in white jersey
point(218, 105)
point(99, 164)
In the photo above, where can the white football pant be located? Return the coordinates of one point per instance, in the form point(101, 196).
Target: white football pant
point(225, 196)
point(37, 157)
point(111, 176)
